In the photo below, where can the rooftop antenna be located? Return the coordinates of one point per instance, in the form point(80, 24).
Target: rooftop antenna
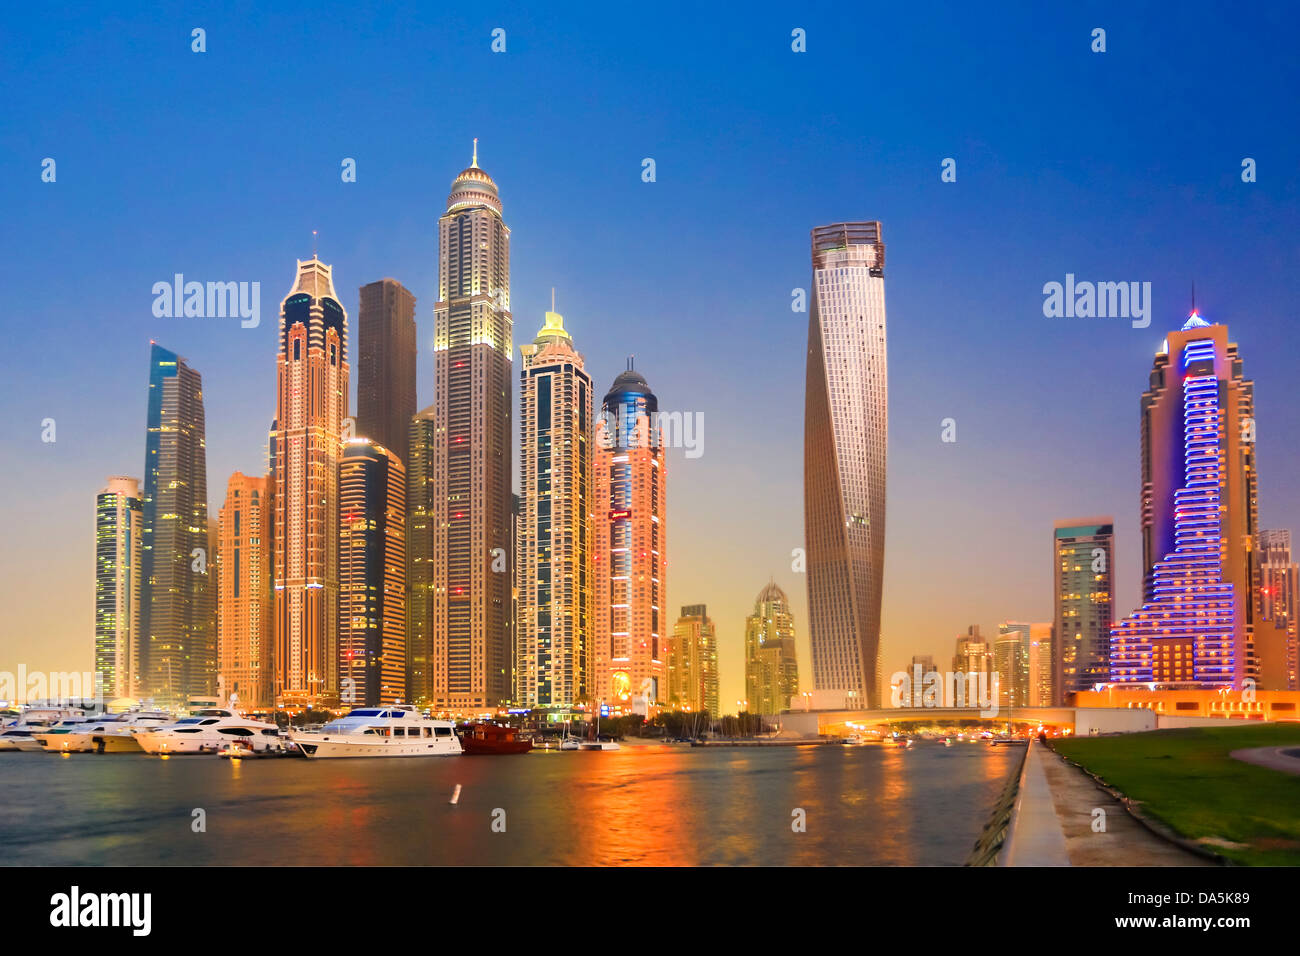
point(313, 244)
point(552, 298)
point(630, 362)
point(474, 162)
point(1193, 297)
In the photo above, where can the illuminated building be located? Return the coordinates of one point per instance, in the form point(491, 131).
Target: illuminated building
point(246, 607)
point(1083, 570)
point(693, 662)
point(1022, 660)
point(386, 365)
point(311, 408)
point(1196, 626)
point(630, 541)
point(118, 524)
point(846, 425)
point(471, 649)
point(421, 512)
point(1195, 702)
point(372, 575)
point(179, 647)
point(555, 611)
point(771, 668)
point(1279, 591)
point(973, 654)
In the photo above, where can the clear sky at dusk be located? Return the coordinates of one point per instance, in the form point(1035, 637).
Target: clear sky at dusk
point(1115, 166)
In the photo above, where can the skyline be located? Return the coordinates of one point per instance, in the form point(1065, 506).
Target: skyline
point(1212, 228)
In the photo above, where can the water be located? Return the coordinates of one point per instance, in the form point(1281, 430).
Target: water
point(644, 805)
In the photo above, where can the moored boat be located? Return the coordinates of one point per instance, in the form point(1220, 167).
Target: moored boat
point(205, 731)
point(388, 730)
point(485, 738)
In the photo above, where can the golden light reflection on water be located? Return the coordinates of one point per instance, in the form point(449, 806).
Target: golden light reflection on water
point(661, 805)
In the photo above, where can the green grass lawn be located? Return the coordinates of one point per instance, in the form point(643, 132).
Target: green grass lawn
point(1186, 779)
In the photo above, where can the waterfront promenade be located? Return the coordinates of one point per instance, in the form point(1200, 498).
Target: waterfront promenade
point(1057, 822)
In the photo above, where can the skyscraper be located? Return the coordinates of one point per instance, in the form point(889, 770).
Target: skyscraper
point(179, 658)
point(1022, 660)
point(771, 669)
point(1196, 626)
point(693, 662)
point(421, 518)
point(1279, 591)
point(386, 365)
point(471, 462)
point(372, 574)
point(246, 607)
point(1083, 570)
point(311, 407)
point(846, 429)
point(555, 549)
point(630, 537)
point(118, 525)
point(973, 654)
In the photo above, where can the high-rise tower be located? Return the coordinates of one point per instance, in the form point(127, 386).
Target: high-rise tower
point(553, 634)
point(471, 586)
point(386, 365)
point(1083, 576)
point(630, 566)
point(1197, 621)
point(179, 646)
point(311, 407)
point(846, 430)
point(246, 607)
point(372, 574)
point(693, 662)
point(118, 525)
point(771, 668)
point(1279, 594)
point(421, 519)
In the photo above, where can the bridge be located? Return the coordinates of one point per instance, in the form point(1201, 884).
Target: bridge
point(1084, 721)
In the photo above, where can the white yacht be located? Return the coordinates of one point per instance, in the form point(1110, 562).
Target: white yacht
point(599, 745)
point(105, 734)
point(20, 735)
point(388, 730)
point(204, 731)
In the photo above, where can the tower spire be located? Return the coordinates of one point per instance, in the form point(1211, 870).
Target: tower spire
point(474, 162)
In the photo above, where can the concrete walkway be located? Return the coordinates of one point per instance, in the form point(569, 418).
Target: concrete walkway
point(1054, 822)
point(1035, 837)
point(1274, 758)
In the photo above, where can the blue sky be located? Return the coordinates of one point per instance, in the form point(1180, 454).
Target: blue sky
point(1123, 165)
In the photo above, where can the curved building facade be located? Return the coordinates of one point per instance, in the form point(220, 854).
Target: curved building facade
point(846, 432)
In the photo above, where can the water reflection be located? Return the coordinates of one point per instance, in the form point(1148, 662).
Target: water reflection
point(657, 805)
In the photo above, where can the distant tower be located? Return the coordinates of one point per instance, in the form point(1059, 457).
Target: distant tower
point(386, 365)
point(471, 649)
point(179, 658)
point(846, 430)
point(693, 662)
point(311, 411)
point(246, 609)
point(118, 525)
point(555, 548)
point(1196, 626)
point(372, 575)
point(630, 536)
point(1083, 569)
point(771, 668)
point(1279, 594)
